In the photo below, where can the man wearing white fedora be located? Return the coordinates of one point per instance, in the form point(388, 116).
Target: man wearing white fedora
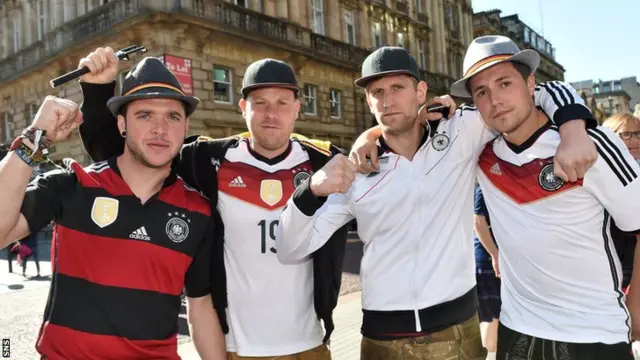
point(561, 293)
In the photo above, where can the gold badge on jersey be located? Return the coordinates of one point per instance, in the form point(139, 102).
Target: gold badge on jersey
point(104, 211)
point(271, 191)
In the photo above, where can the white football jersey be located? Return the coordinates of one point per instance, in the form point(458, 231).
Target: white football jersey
point(560, 273)
point(271, 309)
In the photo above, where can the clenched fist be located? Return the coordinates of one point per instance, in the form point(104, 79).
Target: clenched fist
point(59, 117)
point(103, 64)
point(335, 177)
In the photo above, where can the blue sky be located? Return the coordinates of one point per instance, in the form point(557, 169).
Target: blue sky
point(594, 39)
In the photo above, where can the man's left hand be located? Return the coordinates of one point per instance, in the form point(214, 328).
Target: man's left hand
point(445, 100)
point(576, 152)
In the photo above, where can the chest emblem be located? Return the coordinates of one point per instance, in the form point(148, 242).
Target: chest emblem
point(548, 180)
point(300, 178)
point(271, 191)
point(104, 211)
point(440, 142)
point(177, 229)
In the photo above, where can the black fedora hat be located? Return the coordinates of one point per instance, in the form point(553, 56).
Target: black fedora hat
point(150, 79)
point(387, 60)
point(268, 73)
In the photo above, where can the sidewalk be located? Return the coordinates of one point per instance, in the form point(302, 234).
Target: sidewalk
point(345, 340)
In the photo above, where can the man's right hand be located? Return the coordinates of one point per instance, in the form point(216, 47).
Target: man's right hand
point(59, 117)
point(103, 64)
point(335, 177)
point(496, 265)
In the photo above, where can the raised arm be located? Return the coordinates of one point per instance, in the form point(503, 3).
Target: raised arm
point(28, 209)
point(318, 208)
point(99, 132)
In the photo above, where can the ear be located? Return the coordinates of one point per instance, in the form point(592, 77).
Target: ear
point(243, 105)
point(421, 90)
point(297, 106)
point(531, 84)
point(122, 124)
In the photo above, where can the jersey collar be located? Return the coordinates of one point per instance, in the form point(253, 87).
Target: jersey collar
point(530, 141)
point(168, 181)
point(384, 147)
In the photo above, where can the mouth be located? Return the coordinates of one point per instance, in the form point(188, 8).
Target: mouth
point(271, 127)
point(390, 114)
point(158, 145)
point(501, 113)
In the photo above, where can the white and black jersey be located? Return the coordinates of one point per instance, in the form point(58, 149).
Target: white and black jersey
point(415, 219)
point(561, 278)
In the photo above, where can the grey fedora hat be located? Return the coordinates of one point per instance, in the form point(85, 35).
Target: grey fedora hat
point(487, 51)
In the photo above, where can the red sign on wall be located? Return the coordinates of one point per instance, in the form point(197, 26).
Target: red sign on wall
point(181, 68)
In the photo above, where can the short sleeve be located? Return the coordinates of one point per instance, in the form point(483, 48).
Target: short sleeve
point(44, 198)
point(613, 179)
point(198, 278)
point(480, 208)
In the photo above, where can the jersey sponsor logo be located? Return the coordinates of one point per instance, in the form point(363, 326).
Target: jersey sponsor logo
point(177, 229)
point(440, 142)
point(140, 234)
point(548, 180)
point(237, 182)
point(495, 169)
point(104, 211)
point(300, 178)
point(271, 191)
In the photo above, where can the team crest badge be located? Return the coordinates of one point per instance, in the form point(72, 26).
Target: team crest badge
point(300, 178)
point(177, 229)
point(271, 191)
point(440, 142)
point(548, 180)
point(104, 211)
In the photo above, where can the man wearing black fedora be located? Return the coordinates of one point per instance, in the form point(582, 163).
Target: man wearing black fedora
point(414, 214)
point(130, 235)
point(267, 309)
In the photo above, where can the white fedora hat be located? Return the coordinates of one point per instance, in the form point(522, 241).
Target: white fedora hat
point(487, 51)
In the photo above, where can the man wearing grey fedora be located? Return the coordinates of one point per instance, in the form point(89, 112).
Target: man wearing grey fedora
point(561, 277)
point(414, 215)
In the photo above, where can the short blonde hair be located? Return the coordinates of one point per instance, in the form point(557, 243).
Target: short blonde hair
point(617, 121)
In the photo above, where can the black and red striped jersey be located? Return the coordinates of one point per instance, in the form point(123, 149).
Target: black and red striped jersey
point(119, 266)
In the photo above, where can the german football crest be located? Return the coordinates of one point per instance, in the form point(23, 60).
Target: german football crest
point(548, 180)
point(177, 229)
point(104, 211)
point(300, 178)
point(271, 191)
point(440, 142)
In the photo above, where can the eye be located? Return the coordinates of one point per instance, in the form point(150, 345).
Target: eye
point(505, 84)
point(175, 117)
point(144, 117)
point(481, 93)
point(397, 87)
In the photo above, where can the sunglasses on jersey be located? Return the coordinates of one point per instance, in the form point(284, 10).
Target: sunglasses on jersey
point(626, 135)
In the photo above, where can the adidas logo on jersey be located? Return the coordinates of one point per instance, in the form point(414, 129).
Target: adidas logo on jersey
point(140, 234)
point(237, 182)
point(495, 169)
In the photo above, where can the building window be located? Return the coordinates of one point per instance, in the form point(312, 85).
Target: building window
point(349, 27)
point(335, 98)
point(222, 89)
point(400, 39)
point(376, 29)
point(17, 28)
point(318, 16)
point(606, 87)
point(243, 3)
point(7, 127)
point(310, 107)
point(422, 58)
point(596, 89)
point(42, 18)
point(420, 7)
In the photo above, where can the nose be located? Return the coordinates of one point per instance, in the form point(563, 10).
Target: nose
point(387, 100)
point(160, 127)
point(270, 112)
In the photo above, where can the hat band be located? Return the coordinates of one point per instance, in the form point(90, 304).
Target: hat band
point(485, 61)
point(148, 85)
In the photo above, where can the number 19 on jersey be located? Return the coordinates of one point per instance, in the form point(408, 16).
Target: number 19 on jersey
point(267, 229)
